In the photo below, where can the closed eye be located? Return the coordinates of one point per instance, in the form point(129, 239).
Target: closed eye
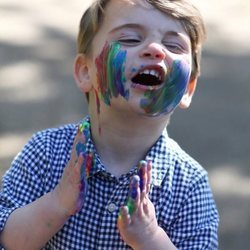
point(175, 48)
point(129, 41)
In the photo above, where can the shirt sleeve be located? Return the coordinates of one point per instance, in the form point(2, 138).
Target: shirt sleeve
point(196, 223)
point(23, 182)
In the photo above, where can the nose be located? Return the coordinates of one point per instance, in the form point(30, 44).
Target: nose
point(153, 51)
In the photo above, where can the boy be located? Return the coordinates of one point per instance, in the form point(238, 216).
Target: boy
point(116, 180)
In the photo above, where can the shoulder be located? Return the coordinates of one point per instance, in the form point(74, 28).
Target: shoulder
point(45, 155)
point(53, 146)
point(175, 169)
point(172, 160)
point(54, 138)
point(45, 143)
point(182, 163)
point(56, 134)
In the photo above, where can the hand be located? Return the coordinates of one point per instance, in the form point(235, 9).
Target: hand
point(137, 221)
point(71, 190)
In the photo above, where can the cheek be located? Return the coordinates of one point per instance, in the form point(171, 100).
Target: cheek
point(165, 99)
point(110, 65)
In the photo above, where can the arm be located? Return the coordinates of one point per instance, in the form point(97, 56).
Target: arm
point(34, 224)
point(137, 222)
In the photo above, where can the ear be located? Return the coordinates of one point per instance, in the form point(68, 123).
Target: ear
point(187, 97)
point(82, 73)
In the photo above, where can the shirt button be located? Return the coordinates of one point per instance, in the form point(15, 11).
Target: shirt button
point(111, 207)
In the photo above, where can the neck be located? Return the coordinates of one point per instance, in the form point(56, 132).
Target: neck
point(122, 141)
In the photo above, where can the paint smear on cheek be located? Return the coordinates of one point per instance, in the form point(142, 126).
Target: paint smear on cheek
point(165, 99)
point(111, 79)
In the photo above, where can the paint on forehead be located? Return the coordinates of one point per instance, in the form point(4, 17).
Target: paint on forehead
point(110, 72)
point(165, 99)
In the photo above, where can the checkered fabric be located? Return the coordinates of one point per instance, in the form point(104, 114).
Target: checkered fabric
point(180, 191)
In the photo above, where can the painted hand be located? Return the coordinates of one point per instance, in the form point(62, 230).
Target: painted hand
point(137, 221)
point(71, 190)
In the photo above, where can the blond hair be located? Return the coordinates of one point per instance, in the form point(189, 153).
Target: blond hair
point(182, 10)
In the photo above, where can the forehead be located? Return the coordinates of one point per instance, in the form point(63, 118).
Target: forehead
point(122, 12)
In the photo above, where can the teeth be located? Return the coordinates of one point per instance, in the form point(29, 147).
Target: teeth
point(151, 72)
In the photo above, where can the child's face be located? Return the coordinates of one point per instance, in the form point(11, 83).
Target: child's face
point(140, 60)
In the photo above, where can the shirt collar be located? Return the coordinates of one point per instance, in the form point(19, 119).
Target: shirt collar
point(157, 155)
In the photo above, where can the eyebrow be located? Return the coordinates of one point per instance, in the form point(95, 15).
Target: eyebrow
point(172, 33)
point(139, 26)
point(127, 25)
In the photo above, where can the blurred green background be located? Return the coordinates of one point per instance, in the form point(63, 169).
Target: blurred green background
point(37, 91)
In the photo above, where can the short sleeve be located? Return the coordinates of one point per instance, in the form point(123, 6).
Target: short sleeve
point(23, 182)
point(36, 170)
point(196, 224)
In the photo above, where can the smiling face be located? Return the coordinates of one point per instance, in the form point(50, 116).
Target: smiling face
point(144, 61)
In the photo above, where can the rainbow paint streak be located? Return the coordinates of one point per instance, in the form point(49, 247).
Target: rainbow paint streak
point(131, 200)
point(165, 99)
point(110, 77)
point(84, 129)
point(142, 173)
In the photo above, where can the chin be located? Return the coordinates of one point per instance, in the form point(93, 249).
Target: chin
point(137, 110)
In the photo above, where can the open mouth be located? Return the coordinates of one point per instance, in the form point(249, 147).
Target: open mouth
point(149, 77)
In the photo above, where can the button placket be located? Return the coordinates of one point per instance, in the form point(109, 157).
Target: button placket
point(114, 199)
point(111, 207)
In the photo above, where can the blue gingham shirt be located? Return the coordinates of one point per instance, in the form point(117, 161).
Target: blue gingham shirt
point(180, 192)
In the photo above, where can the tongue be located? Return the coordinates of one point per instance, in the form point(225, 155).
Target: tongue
point(146, 80)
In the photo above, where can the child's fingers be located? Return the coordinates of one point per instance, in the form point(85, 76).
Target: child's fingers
point(136, 199)
point(76, 159)
point(134, 194)
point(143, 175)
point(79, 143)
point(75, 163)
point(146, 206)
point(124, 218)
point(72, 172)
point(149, 175)
point(78, 164)
point(133, 186)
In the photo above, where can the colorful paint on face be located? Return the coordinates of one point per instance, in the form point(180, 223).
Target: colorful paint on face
point(110, 72)
point(165, 99)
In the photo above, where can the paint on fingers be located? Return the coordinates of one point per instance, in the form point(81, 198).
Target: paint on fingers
point(133, 194)
point(87, 164)
point(142, 171)
point(134, 182)
point(123, 213)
